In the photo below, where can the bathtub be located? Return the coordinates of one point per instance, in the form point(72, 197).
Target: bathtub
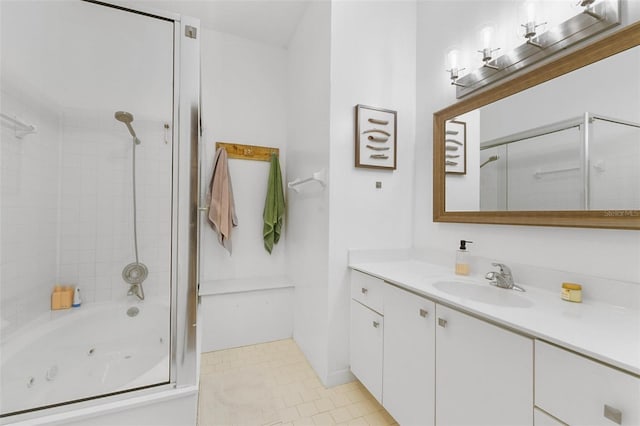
point(93, 350)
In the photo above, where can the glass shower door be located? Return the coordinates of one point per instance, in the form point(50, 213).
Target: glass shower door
point(87, 189)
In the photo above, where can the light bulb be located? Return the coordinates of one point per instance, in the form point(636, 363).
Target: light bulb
point(453, 59)
point(487, 33)
point(531, 11)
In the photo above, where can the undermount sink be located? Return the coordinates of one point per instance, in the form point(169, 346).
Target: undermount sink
point(484, 293)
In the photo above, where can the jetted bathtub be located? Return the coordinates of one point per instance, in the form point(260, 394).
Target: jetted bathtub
point(93, 350)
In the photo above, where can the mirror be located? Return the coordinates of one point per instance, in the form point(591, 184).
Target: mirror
point(557, 146)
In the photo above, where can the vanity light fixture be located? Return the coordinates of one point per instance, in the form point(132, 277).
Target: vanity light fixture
point(595, 17)
point(530, 27)
point(487, 51)
point(453, 70)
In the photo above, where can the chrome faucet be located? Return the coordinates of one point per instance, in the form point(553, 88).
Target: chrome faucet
point(503, 278)
point(136, 290)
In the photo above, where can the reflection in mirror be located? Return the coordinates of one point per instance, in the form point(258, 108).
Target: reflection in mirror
point(557, 146)
point(571, 143)
point(585, 163)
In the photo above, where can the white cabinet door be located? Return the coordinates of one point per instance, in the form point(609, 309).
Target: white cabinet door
point(484, 374)
point(366, 347)
point(409, 357)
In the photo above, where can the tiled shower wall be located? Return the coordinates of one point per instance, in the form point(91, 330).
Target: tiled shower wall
point(67, 215)
point(96, 232)
point(28, 210)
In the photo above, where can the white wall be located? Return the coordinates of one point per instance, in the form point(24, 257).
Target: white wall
point(308, 151)
point(243, 101)
point(373, 53)
point(599, 252)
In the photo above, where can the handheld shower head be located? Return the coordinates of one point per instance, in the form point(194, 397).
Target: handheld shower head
point(126, 118)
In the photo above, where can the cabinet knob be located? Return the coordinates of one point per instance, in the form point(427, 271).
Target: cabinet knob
point(364, 290)
point(423, 313)
point(376, 324)
point(442, 322)
point(613, 414)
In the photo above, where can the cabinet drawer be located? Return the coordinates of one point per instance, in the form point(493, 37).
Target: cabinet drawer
point(580, 391)
point(367, 290)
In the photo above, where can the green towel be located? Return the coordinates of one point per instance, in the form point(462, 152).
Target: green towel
point(273, 206)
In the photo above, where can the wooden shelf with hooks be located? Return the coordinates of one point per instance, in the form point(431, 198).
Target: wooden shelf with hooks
point(248, 152)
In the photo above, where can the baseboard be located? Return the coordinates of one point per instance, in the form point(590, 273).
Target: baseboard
point(339, 377)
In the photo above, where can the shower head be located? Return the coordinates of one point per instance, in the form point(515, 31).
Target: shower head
point(124, 116)
point(127, 118)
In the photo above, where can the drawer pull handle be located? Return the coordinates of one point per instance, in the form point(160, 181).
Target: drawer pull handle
point(376, 324)
point(364, 290)
point(613, 414)
point(442, 322)
point(423, 313)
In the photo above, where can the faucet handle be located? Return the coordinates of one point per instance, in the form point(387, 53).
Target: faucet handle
point(504, 269)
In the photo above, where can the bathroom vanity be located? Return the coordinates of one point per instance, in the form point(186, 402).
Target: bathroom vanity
point(436, 348)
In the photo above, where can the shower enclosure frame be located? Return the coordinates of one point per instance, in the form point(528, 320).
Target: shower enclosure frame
point(184, 354)
point(582, 122)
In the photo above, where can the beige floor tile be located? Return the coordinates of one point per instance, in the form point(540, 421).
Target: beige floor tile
point(324, 404)
point(356, 395)
point(273, 384)
point(347, 387)
point(305, 421)
point(341, 415)
point(312, 382)
point(378, 419)
point(360, 421)
point(340, 399)
point(307, 409)
point(363, 408)
point(289, 414)
point(323, 419)
point(292, 398)
point(309, 395)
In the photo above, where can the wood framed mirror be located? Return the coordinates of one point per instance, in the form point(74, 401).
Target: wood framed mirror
point(556, 146)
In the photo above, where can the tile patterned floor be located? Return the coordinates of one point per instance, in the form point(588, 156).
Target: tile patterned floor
point(273, 384)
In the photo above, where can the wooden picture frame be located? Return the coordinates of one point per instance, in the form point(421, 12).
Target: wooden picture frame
point(455, 145)
point(376, 130)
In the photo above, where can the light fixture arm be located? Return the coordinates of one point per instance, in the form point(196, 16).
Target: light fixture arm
point(453, 75)
point(487, 56)
point(530, 32)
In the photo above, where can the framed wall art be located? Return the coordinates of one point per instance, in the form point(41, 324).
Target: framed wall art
point(375, 137)
point(455, 146)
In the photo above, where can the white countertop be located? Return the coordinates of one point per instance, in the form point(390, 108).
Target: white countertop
point(607, 333)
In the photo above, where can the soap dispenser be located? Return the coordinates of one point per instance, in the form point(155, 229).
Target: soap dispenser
point(462, 258)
